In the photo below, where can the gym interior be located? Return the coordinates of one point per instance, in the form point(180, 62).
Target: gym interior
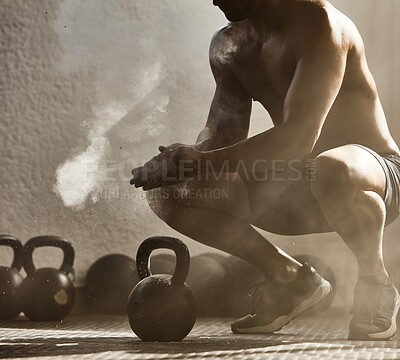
point(89, 90)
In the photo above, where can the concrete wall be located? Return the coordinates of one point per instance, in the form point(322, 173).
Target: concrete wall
point(90, 87)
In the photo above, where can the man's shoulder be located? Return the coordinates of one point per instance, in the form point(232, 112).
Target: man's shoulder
point(315, 7)
point(309, 14)
point(315, 21)
point(232, 29)
point(319, 22)
point(228, 42)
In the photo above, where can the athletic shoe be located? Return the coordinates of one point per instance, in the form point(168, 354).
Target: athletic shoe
point(375, 311)
point(275, 303)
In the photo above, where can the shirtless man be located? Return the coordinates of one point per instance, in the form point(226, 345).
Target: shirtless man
point(304, 61)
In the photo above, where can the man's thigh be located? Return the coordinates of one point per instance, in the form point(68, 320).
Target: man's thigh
point(282, 205)
point(287, 205)
point(352, 165)
point(283, 202)
point(224, 193)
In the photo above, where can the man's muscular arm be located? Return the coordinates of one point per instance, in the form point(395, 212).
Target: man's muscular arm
point(227, 123)
point(229, 115)
point(319, 73)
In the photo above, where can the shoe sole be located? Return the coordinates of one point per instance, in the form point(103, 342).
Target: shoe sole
point(319, 294)
point(384, 335)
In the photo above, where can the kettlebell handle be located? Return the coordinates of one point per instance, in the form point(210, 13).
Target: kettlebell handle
point(163, 242)
point(51, 241)
point(16, 245)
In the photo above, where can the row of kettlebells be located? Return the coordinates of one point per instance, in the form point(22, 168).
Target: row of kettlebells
point(45, 294)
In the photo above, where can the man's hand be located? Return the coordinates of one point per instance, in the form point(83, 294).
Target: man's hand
point(172, 165)
point(170, 147)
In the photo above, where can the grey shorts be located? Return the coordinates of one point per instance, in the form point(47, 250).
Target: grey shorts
point(391, 166)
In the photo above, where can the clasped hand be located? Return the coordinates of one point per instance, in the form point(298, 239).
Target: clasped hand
point(172, 165)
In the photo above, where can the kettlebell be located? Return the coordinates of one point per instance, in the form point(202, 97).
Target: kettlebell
point(162, 307)
point(10, 280)
point(48, 294)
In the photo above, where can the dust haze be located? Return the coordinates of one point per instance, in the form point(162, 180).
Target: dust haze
point(150, 85)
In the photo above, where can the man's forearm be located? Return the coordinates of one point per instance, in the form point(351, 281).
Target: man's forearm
point(212, 139)
point(260, 152)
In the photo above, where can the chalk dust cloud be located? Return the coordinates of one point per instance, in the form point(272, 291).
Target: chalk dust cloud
point(139, 56)
point(84, 173)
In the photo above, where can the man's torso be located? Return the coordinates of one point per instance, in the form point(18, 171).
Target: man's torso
point(265, 68)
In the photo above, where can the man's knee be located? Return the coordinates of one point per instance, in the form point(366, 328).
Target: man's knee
point(333, 176)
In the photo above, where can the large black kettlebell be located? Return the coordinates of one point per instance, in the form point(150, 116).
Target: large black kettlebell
point(48, 294)
point(162, 307)
point(10, 280)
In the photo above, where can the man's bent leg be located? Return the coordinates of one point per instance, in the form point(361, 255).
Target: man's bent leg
point(221, 222)
point(350, 188)
point(225, 224)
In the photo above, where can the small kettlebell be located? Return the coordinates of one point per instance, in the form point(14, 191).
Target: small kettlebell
point(162, 307)
point(10, 280)
point(48, 294)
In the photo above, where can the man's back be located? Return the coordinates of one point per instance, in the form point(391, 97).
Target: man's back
point(264, 61)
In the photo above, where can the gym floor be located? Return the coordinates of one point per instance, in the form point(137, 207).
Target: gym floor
point(110, 337)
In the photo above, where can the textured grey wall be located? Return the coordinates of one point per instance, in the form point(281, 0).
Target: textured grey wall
point(74, 69)
point(91, 86)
